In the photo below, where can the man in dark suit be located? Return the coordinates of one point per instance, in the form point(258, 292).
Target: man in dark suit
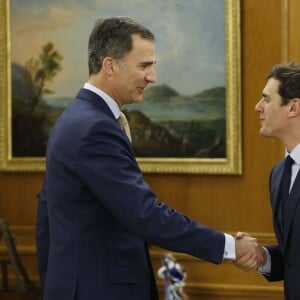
point(96, 214)
point(279, 114)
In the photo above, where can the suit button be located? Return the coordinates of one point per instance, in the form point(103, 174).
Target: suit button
point(148, 272)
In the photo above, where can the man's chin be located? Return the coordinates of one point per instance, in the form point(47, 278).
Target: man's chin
point(138, 100)
point(265, 134)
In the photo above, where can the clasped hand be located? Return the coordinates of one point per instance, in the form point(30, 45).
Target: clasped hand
point(250, 254)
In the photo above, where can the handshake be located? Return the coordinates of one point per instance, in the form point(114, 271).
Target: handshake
point(250, 254)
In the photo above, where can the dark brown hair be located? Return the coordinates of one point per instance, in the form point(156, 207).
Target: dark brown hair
point(113, 37)
point(288, 76)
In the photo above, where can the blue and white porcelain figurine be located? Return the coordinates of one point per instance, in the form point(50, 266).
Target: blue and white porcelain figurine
point(174, 276)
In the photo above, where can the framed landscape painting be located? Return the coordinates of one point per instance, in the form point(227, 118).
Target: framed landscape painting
point(189, 120)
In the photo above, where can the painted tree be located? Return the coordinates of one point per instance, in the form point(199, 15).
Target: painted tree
point(42, 72)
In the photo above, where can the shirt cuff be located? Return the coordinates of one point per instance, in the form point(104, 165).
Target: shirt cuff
point(266, 268)
point(229, 249)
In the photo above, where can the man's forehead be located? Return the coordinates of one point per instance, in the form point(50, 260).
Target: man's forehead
point(140, 42)
point(271, 85)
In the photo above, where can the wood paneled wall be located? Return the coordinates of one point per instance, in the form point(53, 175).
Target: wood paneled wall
point(226, 202)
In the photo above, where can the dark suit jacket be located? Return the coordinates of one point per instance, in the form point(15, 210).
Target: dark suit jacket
point(285, 258)
point(100, 212)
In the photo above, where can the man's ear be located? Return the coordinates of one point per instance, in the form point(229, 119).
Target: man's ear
point(294, 107)
point(108, 66)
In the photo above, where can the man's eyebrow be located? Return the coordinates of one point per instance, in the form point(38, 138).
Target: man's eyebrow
point(148, 63)
point(265, 95)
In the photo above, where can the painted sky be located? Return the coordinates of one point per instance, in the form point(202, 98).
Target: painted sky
point(189, 46)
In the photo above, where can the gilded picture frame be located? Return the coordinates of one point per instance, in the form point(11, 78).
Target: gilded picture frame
point(231, 163)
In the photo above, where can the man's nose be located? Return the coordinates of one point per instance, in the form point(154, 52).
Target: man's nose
point(258, 107)
point(151, 76)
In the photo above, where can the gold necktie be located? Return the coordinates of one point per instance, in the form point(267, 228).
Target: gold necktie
point(124, 125)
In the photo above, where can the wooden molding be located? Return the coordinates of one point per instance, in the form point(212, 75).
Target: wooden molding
point(230, 291)
point(290, 31)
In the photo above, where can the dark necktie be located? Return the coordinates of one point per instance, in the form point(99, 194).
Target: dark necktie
point(285, 185)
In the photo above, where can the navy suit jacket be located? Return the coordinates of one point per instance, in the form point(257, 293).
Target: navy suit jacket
point(285, 258)
point(96, 212)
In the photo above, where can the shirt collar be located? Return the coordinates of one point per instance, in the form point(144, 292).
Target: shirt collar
point(112, 104)
point(295, 154)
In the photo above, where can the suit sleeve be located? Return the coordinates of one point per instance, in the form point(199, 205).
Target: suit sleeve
point(277, 266)
point(42, 235)
point(106, 157)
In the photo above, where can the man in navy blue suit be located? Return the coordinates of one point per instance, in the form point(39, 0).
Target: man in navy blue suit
point(279, 114)
point(96, 214)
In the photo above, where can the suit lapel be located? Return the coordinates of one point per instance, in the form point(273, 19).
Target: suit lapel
point(274, 192)
point(275, 189)
point(96, 100)
point(291, 206)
